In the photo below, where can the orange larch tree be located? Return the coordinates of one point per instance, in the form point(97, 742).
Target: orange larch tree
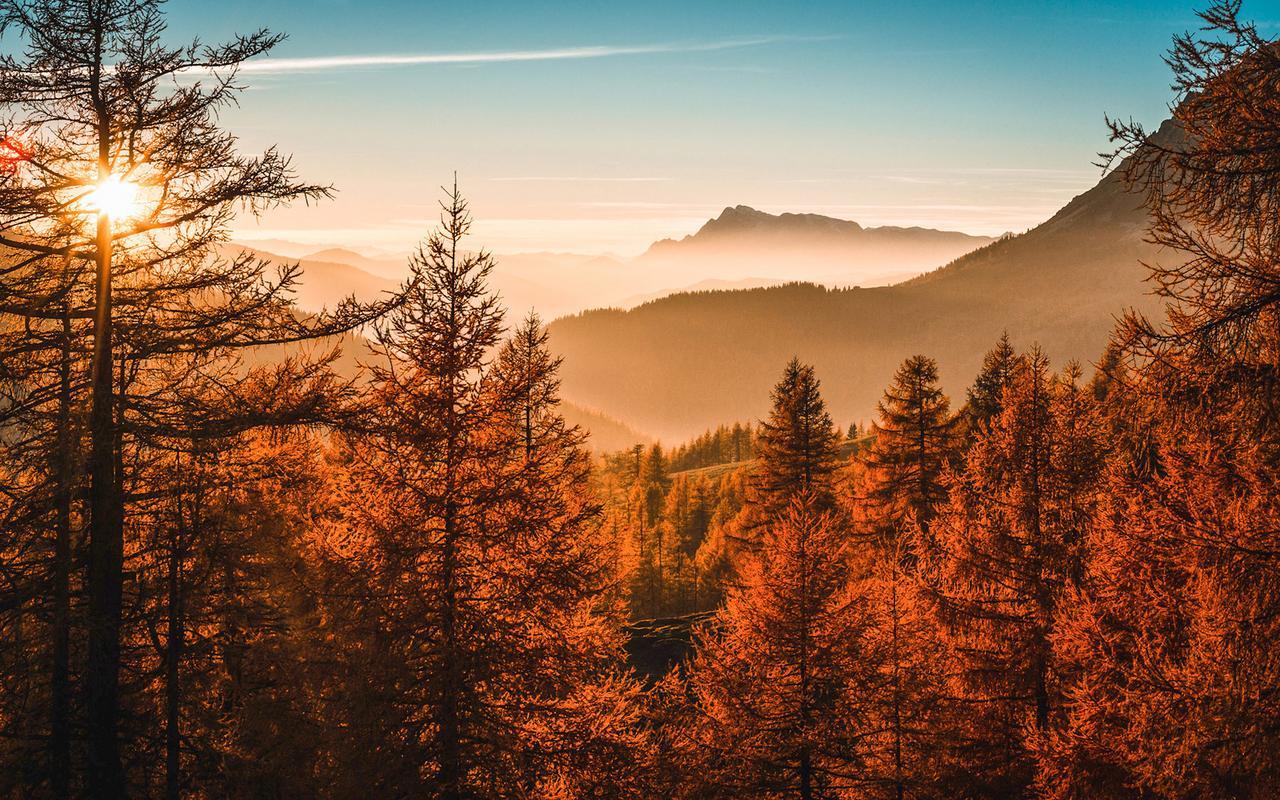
point(1003, 552)
point(478, 560)
point(781, 676)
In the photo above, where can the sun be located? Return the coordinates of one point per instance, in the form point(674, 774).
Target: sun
point(114, 196)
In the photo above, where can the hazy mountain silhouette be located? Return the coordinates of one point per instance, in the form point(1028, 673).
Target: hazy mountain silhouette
point(710, 285)
point(675, 366)
point(741, 247)
point(391, 268)
point(324, 283)
point(743, 241)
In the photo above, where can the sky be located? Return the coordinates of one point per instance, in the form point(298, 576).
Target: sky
point(599, 127)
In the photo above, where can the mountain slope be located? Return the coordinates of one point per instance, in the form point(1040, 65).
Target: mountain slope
point(606, 435)
point(677, 365)
point(324, 283)
point(390, 268)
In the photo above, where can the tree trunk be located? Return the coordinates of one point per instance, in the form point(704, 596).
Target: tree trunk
point(106, 510)
point(60, 719)
point(806, 776)
point(450, 768)
point(106, 549)
point(173, 659)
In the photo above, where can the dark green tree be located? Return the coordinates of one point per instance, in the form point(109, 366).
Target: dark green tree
point(986, 395)
point(914, 442)
point(796, 447)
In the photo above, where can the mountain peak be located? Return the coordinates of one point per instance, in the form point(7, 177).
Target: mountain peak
point(740, 213)
point(745, 219)
point(745, 234)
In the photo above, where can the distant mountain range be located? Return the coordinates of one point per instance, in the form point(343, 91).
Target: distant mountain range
point(695, 331)
point(836, 252)
point(326, 278)
point(677, 365)
point(740, 248)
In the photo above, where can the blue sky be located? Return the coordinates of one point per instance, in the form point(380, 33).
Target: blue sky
point(599, 126)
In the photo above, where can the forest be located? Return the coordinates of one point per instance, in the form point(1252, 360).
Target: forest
point(230, 568)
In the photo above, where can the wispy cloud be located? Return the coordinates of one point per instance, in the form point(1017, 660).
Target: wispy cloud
point(327, 63)
point(574, 179)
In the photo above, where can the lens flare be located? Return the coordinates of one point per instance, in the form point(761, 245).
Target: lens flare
point(115, 197)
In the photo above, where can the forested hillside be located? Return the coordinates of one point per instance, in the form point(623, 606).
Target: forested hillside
point(229, 571)
point(678, 365)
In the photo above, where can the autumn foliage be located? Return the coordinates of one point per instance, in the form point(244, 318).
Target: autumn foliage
point(228, 571)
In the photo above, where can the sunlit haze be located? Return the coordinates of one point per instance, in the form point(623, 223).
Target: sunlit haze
point(599, 128)
point(667, 400)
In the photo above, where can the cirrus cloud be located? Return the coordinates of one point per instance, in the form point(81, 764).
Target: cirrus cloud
point(339, 62)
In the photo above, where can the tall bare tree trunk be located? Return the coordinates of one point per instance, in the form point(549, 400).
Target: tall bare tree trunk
point(60, 720)
point(173, 659)
point(106, 509)
point(106, 548)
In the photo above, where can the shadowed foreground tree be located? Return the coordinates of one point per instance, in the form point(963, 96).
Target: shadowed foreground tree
point(1211, 177)
point(219, 636)
point(109, 227)
point(41, 374)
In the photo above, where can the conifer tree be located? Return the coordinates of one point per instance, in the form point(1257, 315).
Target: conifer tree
point(986, 396)
point(220, 600)
point(1209, 177)
point(913, 445)
point(796, 446)
point(99, 108)
point(429, 455)
point(41, 377)
point(560, 643)
point(647, 498)
point(780, 678)
point(488, 565)
point(903, 475)
point(909, 708)
point(1169, 644)
point(1007, 548)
